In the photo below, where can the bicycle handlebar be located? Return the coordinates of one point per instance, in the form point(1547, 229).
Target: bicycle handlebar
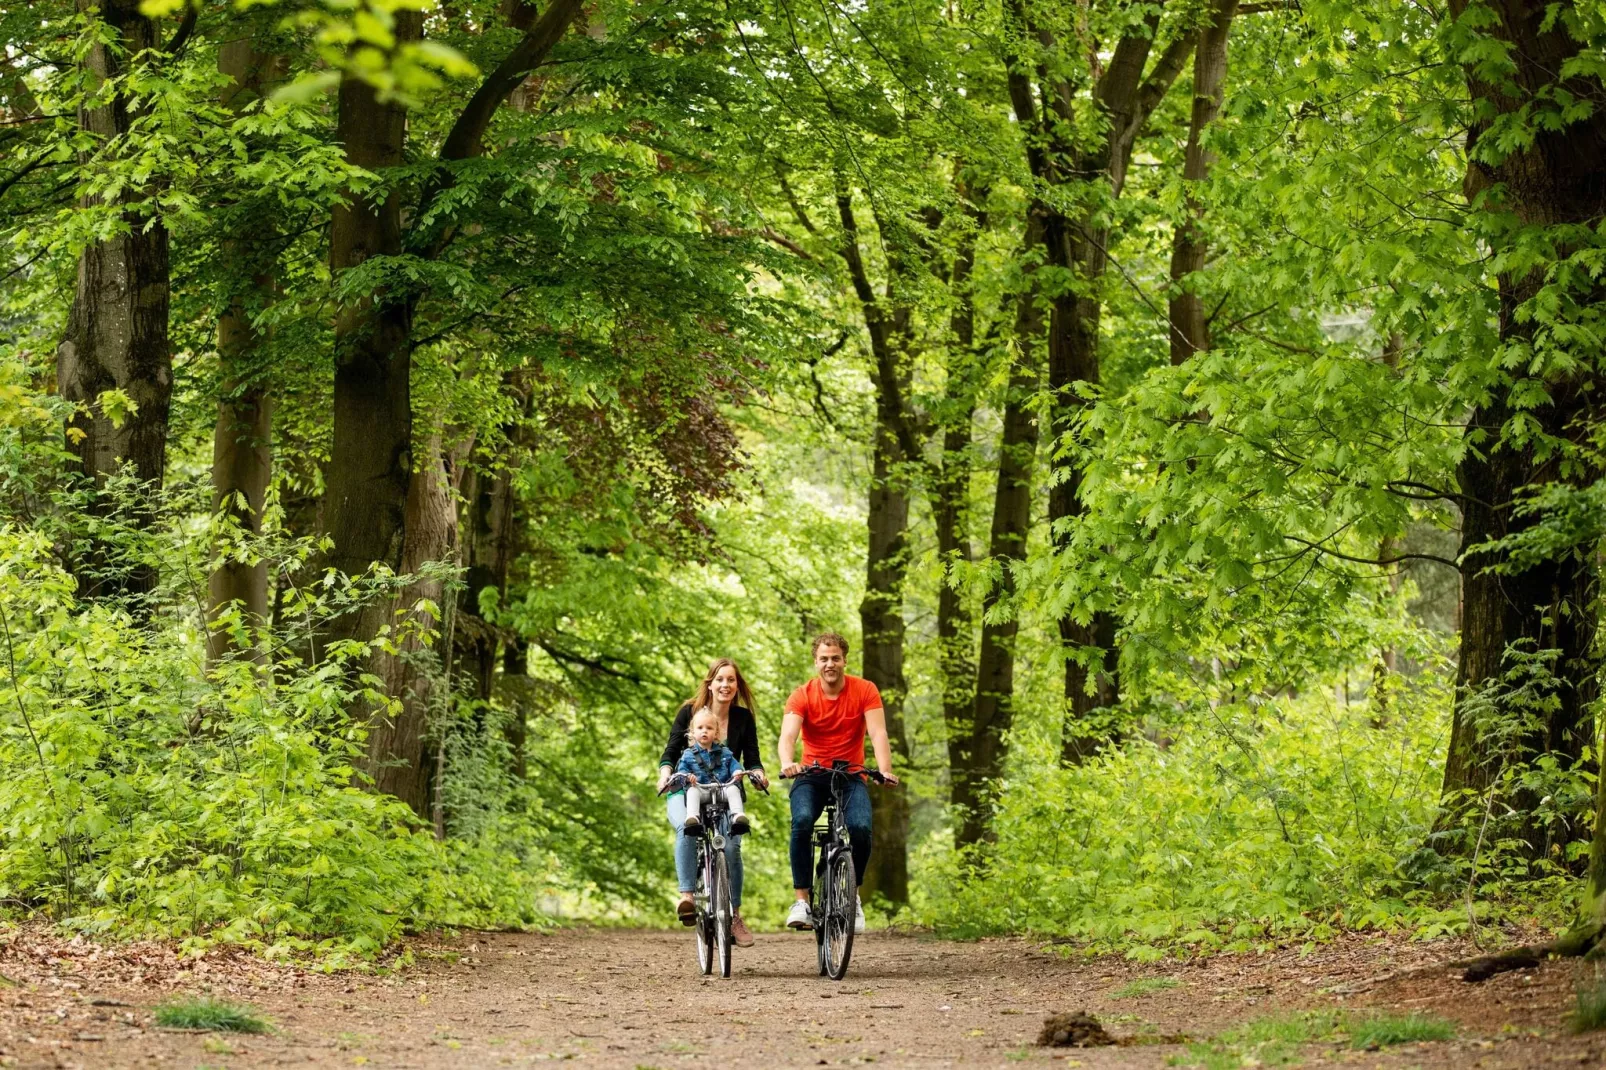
point(679, 781)
point(852, 770)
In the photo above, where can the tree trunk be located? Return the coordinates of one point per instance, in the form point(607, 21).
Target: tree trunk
point(516, 684)
point(955, 630)
point(976, 757)
point(1125, 98)
point(242, 451)
point(1554, 180)
point(1190, 328)
point(487, 553)
point(882, 627)
point(370, 460)
point(886, 559)
point(399, 757)
point(117, 329)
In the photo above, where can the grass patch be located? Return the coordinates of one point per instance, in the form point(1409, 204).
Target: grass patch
point(1144, 985)
point(203, 1012)
point(1590, 1012)
point(1276, 1039)
point(1384, 1030)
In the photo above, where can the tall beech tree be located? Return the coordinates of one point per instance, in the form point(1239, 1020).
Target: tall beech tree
point(1077, 177)
point(976, 753)
point(242, 445)
point(117, 330)
point(374, 487)
point(1190, 250)
point(1537, 199)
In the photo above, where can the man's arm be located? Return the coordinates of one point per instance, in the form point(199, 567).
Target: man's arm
point(875, 723)
point(791, 726)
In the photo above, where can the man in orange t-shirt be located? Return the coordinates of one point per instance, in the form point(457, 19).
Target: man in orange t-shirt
point(833, 712)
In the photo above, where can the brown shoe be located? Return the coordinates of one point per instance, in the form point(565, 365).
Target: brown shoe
point(739, 932)
point(686, 911)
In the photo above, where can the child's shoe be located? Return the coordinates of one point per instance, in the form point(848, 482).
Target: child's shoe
point(693, 826)
point(739, 825)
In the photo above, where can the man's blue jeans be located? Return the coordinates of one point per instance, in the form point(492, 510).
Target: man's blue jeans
point(809, 796)
point(686, 852)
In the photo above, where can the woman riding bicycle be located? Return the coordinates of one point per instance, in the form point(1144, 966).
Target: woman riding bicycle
point(724, 693)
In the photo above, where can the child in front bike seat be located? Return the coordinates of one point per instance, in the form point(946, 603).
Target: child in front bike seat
point(708, 762)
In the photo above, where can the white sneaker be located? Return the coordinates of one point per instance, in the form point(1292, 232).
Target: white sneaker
point(858, 915)
point(798, 916)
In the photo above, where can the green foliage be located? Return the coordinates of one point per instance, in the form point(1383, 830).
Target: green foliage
point(204, 1012)
point(1144, 985)
point(1276, 1040)
point(1589, 1009)
point(1386, 1030)
point(1248, 824)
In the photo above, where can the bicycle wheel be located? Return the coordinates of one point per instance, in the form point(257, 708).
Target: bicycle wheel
point(838, 920)
point(720, 901)
point(705, 926)
point(822, 898)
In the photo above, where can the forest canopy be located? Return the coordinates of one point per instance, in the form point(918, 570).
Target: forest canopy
point(1186, 409)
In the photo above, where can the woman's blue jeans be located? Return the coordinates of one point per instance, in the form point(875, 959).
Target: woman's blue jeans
point(686, 852)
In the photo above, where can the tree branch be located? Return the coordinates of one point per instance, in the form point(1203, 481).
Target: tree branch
point(1380, 562)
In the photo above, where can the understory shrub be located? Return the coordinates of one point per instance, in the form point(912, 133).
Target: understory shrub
point(141, 793)
point(1246, 824)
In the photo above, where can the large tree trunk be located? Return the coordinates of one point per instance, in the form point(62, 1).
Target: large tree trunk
point(955, 630)
point(370, 490)
point(117, 330)
point(399, 756)
point(486, 555)
point(1125, 98)
point(886, 559)
point(1552, 181)
point(976, 756)
point(370, 460)
point(242, 451)
point(1190, 327)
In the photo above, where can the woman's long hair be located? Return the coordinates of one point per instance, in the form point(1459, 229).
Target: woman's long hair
point(703, 695)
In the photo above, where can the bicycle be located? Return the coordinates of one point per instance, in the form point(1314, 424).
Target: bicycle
point(712, 896)
point(834, 900)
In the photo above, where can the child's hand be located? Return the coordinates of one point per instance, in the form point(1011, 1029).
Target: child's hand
point(692, 777)
point(739, 774)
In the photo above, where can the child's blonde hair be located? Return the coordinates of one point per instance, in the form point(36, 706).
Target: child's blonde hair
point(691, 726)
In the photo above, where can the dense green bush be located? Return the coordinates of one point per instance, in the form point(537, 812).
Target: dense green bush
point(141, 793)
point(1253, 823)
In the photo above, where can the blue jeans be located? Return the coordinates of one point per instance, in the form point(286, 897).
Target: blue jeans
point(809, 796)
point(686, 852)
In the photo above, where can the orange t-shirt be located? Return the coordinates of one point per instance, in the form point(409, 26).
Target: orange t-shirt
point(833, 728)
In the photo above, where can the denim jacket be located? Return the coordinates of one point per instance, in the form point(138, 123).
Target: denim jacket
point(709, 765)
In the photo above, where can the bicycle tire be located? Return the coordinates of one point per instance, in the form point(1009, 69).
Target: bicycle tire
point(720, 901)
point(816, 908)
point(839, 914)
point(704, 929)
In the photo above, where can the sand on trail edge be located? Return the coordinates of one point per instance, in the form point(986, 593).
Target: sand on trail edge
point(633, 999)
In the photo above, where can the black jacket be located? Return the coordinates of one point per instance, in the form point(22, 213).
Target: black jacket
point(742, 741)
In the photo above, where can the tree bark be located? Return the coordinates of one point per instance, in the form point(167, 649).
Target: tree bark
point(886, 558)
point(399, 758)
point(976, 756)
point(373, 492)
point(1125, 98)
point(117, 327)
point(955, 629)
point(1552, 181)
point(1190, 327)
point(242, 449)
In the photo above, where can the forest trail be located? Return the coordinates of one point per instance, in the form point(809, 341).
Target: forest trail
point(631, 999)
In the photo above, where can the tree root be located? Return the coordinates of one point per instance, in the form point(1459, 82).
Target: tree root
point(1584, 939)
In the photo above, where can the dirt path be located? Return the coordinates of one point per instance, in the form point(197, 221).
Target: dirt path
point(631, 999)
